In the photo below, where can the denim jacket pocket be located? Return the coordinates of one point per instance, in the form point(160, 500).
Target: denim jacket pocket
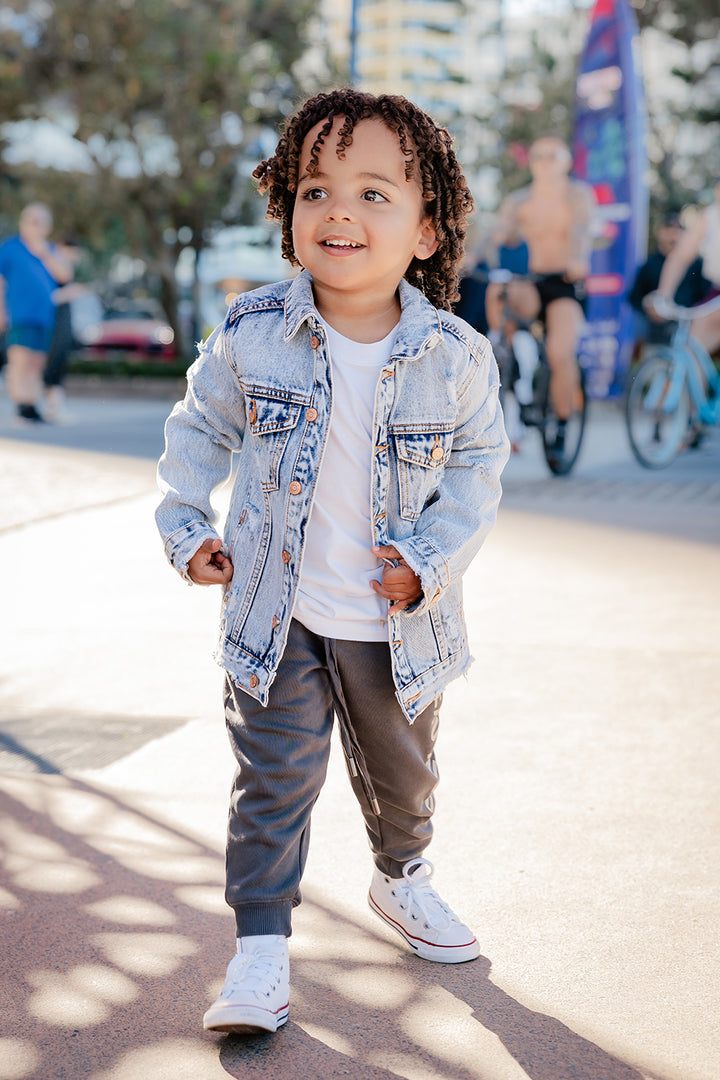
point(421, 457)
point(271, 418)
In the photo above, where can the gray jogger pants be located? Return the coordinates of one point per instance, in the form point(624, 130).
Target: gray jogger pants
point(282, 753)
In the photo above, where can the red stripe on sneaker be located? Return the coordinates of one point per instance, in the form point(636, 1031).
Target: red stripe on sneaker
point(412, 937)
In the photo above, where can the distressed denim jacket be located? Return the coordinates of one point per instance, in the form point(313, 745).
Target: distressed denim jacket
point(262, 388)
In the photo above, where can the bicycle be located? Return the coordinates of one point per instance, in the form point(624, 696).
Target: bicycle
point(674, 393)
point(561, 440)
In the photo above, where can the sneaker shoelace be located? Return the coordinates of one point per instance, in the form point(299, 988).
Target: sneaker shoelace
point(257, 972)
point(415, 892)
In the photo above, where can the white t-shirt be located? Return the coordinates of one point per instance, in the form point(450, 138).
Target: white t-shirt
point(334, 597)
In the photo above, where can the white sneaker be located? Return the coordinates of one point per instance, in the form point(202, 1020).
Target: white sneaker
point(257, 988)
point(411, 906)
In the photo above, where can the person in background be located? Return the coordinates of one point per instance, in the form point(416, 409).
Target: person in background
point(476, 276)
point(31, 269)
point(514, 259)
point(554, 216)
point(691, 290)
point(63, 338)
point(701, 239)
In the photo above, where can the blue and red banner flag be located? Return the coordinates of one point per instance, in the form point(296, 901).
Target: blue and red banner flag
point(609, 153)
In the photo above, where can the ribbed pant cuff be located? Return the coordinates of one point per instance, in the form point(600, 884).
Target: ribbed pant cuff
point(269, 918)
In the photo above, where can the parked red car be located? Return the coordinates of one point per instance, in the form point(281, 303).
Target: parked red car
point(138, 328)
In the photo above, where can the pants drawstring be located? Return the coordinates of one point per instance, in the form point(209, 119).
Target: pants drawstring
point(353, 754)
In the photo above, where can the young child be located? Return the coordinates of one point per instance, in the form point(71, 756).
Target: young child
point(370, 445)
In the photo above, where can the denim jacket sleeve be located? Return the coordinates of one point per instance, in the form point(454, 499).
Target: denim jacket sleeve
point(452, 527)
point(201, 434)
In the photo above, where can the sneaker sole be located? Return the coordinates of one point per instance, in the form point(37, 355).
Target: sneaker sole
point(441, 954)
point(244, 1020)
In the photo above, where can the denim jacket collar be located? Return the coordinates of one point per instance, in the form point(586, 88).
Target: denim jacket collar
point(419, 327)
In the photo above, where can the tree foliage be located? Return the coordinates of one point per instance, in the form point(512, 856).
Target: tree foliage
point(690, 21)
point(537, 100)
point(685, 119)
point(167, 99)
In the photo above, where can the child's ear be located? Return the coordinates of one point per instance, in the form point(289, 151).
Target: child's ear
point(427, 243)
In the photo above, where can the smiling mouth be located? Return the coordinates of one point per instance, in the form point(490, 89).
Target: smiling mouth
point(342, 245)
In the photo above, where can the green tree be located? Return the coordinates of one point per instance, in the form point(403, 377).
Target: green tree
point(168, 99)
point(690, 21)
point(537, 99)
point(684, 112)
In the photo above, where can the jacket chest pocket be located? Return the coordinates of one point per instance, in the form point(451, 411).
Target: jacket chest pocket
point(271, 421)
point(421, 458)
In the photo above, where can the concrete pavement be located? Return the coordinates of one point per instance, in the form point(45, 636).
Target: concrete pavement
point(577, 814)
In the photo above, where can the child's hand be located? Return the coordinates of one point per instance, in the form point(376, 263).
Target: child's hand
point(400, 584)
point(209, 566)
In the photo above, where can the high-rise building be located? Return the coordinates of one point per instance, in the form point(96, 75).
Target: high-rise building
point(445, 55)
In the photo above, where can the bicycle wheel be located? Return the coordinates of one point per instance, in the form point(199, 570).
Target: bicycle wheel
point(562, 439)
point(657, 416)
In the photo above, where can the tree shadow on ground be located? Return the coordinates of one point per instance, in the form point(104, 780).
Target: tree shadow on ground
point(116, 939)
point(397, 1015)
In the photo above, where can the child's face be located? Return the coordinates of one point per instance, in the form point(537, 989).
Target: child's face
point(358, 223)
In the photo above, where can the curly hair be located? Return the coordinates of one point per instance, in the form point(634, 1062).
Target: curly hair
point(428, 153)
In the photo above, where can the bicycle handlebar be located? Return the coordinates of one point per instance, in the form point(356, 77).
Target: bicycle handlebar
point(501, 277)
point(666, 309)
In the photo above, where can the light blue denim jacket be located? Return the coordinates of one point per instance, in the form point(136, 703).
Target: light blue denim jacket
point(262, 388)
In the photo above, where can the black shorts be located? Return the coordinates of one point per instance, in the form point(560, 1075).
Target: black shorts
point(556, 287)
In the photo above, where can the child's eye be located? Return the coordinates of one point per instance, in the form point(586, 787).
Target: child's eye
point(374, 196)
point(314, 194)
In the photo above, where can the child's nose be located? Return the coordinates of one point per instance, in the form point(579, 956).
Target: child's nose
point(338, 209)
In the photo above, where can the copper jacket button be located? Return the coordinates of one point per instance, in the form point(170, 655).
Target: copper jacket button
point(436, 453)
point(294, 487)
point(311, 414)
point(314, 341)
point(254, 681)
point(286, 557)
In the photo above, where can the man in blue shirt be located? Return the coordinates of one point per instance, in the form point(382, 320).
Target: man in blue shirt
point(692, 289)
point(31, 269)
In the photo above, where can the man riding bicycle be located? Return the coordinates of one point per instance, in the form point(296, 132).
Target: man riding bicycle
point(702, 239)
point(553, 215)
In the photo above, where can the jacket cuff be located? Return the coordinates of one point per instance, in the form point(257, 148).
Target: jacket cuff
point(180, 546)
point(430, 566)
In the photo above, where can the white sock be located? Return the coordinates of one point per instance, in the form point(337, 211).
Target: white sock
point(511, 412)
point(526, 353)
point(251, 942)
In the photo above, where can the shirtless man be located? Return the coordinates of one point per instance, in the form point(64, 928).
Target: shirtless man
point(553, 215)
